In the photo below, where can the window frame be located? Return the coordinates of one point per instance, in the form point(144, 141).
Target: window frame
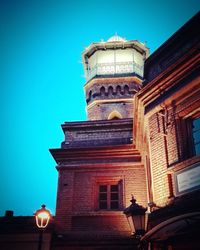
point(190, 150)
point(193, 139)
point(108, 184)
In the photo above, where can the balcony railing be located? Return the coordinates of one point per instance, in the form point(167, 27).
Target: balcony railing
point(114, 68)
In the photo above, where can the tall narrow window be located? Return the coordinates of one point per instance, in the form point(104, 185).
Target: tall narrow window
point(103, 197)
point(196, 135)
point(114, 197)
point(109, 198)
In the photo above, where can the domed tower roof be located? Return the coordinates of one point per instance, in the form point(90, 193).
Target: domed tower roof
point(116, 38)
point(119, 52)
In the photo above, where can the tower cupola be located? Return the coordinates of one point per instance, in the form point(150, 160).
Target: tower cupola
point(114, 72)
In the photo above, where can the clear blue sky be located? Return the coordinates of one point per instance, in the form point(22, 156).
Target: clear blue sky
point(41, 79)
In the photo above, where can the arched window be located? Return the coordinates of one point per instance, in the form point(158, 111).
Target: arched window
point(126, 89)
point(114, 115)
point(118, 89)
point(89, 96)
point(102, 90)
point(110, 90)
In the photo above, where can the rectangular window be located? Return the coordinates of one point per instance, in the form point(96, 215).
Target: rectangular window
point(109, 196)
point(196, 135)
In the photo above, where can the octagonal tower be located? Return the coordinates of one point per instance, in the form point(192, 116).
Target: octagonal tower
point(114, 73)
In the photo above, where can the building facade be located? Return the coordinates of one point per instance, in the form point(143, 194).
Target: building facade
point(142, 138)
point(156, 160)
point(170, 139)
point(99, 167)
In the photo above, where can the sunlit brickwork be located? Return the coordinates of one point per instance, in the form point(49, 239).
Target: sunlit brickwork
point(105, 95)
point(77, 200)
point(159, 159)
point(101, 151)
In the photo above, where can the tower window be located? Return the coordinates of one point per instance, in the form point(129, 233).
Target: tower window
point(126, 89)
point(114, 115)
point(102, 91)
point(118, 89)
point(110, 90)
point(109, 197)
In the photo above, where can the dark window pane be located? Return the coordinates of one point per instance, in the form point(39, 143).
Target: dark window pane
point(196, 124)
point(103, 196)
point(196, 135)
point(114, 188)
point(102, 205)
point(197, 149)
point(103, 188)
point(109, 197)
point(114, 196)
point(197, 138)
point(114, 205)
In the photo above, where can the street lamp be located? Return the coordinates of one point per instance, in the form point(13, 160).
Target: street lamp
point(42, 217)
point(136, 216)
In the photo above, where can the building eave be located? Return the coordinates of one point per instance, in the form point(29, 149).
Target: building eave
point(176, 73)
point(178, 44)
point(100, 154)
point(91, 49)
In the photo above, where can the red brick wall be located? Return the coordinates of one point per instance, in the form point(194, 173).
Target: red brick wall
point(77, 198)
point(117, 96)
point(170, 145)
point(102, 223)
point(159, 159)
point(64, 200)
point(102, 111)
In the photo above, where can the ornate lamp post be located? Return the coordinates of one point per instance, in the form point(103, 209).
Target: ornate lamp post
point(42, 217)
point(136, 216)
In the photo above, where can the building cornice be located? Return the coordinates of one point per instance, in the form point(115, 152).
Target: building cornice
point(170, 77)
point(96, 102)
point(101, 166)
point(96, 155)
point(97, 124)
point(91, 49)
point(115, 79)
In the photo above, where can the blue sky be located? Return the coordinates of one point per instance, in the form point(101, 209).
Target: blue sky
point(41, 79)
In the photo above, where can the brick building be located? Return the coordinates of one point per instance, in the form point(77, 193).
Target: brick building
point(142, 138)
point(99, 167)
point(169, 107)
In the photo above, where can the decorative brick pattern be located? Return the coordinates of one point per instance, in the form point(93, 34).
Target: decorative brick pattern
point(84, 134)
point(101, 111)
point(105, 95)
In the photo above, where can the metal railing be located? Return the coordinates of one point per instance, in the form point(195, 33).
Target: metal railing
point(114, 68)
